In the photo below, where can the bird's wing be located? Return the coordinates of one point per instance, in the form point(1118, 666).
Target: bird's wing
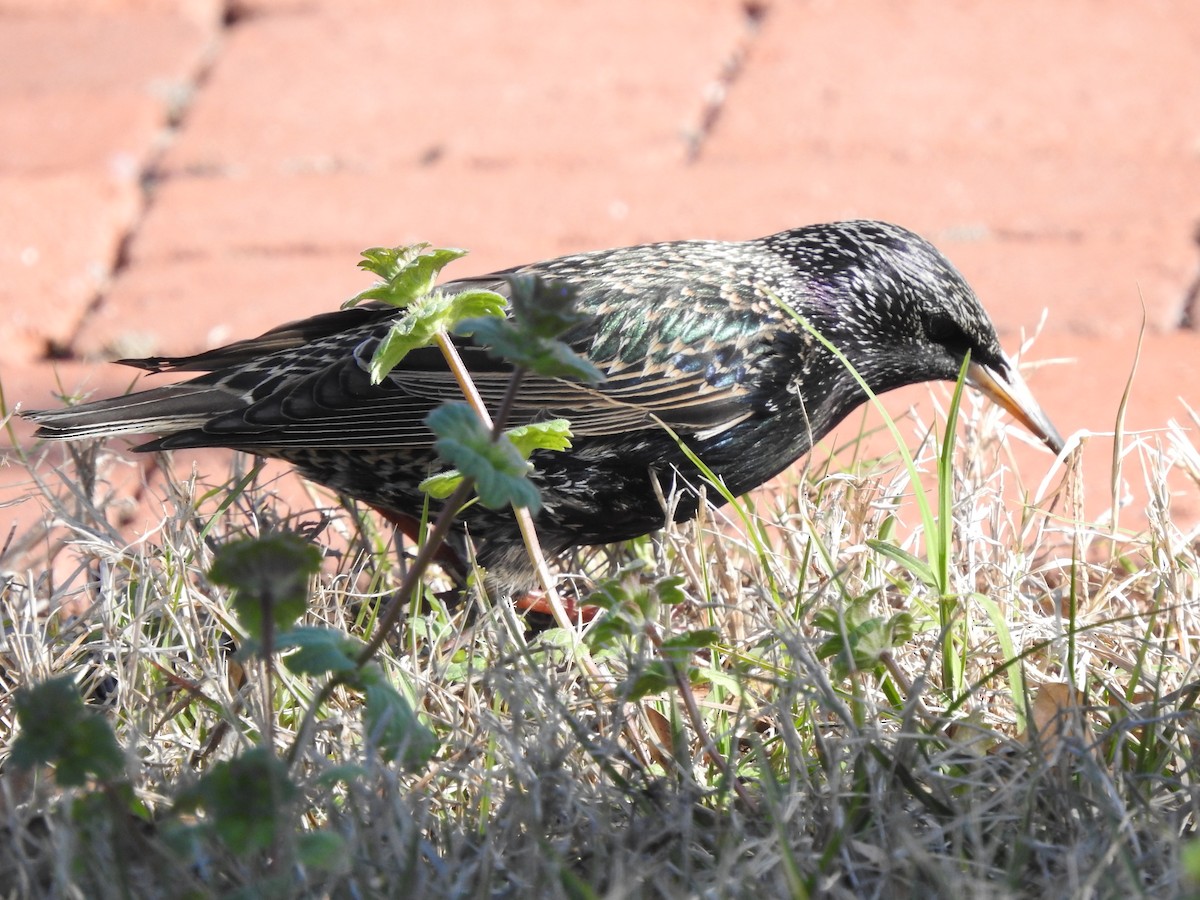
point(676, 354)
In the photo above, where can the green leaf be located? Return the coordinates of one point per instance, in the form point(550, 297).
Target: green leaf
point(858, 639)
point(1189, 856)
point(646, 601)
point(733, 684)
point(506, 339)
point(497, 466)
point(541, 311)
point(847, 616)
point(544, 308)
point(246, 798)
point(553, 434)
point(91, 806)
point(371, 673)
point(56, 728)
point(345, 773)
point(610, 594)
point(901, 629)
point(442, 485)
point(918, 567)
point(653, 679)
point(680, 648)
point(324, 850)
point(319, 651)
point(670, 590)
point(575, 886)
point(270, 573)
point(605, 633)
point(626, 595)
point(427, 317)
point(476, 305)
point(939, 558)
point(408, 273)
point(394, 729)
point(464, 666)
point(387, 262)
point(1008, 650)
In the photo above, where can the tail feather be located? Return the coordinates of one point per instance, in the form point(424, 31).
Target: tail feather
point(163, 410)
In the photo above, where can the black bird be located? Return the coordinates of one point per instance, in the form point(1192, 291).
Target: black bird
point(687, 333)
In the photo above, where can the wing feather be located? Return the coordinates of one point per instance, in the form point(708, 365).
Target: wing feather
point(673, 349)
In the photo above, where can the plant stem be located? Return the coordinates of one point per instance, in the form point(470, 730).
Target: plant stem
point(523, 516)
point(391, 613)
point(697, 719)
point(416, 571)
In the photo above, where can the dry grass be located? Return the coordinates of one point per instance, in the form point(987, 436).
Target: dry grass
point(1034, 736)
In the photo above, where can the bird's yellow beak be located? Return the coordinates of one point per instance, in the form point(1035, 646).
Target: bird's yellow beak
point(1009, 391)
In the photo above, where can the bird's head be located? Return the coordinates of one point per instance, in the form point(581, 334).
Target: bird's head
point(902, 314)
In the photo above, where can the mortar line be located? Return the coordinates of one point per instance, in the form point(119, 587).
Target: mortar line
point(754, 13)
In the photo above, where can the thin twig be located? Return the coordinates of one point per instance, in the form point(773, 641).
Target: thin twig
point(693, 710)
point(391, 613)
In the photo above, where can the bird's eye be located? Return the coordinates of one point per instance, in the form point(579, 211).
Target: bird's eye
point(949, 334)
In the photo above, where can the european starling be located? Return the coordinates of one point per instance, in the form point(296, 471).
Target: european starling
point(688, 335)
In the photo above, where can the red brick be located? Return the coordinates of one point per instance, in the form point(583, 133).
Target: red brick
point(926, 81)
point(193, 305)
point(531, 212)
point(58, 239)
point(150, 51)
point(112, 133)
point(200, 11)
point(380, 87)
point(82, 100)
